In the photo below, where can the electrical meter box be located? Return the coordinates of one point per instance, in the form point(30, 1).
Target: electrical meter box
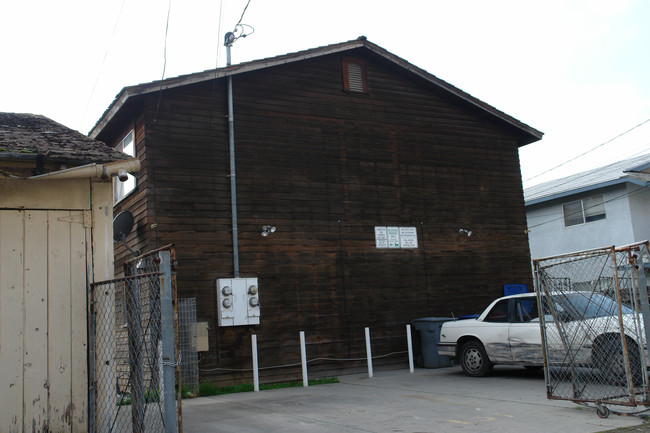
point(239, 302)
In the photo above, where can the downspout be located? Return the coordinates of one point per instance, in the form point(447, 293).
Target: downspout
point(229, 39)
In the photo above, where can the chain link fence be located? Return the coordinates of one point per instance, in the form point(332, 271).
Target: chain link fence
point(133, 350)
point(593, 329)
point(187, 336)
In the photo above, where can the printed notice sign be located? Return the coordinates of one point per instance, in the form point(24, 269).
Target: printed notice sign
point(408, 237)
point(381, 237)
point(396, 237)
point(393, 237)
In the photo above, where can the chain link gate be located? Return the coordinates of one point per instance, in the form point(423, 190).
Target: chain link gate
point(134, 353)
point(187, 340)
point(593, 329)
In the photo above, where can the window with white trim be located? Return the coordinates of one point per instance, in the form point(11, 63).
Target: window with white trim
point(584, 211)
point(122, 189)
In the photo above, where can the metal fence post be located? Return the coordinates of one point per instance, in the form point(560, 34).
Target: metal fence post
point(643, 297)
point(168, 339)
point(92, 351)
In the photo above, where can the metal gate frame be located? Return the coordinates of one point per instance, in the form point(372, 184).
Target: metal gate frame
point(134, 364)
point(596, 352)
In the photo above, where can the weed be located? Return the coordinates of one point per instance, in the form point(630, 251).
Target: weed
point(207, 389)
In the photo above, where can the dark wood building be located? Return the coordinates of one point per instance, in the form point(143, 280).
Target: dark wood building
point(337, 147)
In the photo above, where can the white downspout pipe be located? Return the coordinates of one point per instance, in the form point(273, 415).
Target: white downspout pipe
point(101, 171)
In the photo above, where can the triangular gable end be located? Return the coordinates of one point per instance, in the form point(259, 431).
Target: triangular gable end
point(526, 133)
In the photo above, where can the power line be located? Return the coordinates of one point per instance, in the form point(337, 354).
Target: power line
point(242, 14)
point(589, 151)
point(155, 125)
point(540, 190)
point(242, 27)
point(169, 9)
point(220, 25)
point(101, 67)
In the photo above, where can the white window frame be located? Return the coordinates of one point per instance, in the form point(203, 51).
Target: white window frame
point(591, 209)
point(123, 189)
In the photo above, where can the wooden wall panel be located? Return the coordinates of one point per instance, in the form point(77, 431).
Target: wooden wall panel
point(43, 321)
point(12, 307)
point(77, 414)
point(35, 321)
point(325, 166)
point(59, 303)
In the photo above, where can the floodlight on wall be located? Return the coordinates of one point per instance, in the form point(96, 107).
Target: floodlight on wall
point(465, 232)
point(267, 230)
point(122, 175)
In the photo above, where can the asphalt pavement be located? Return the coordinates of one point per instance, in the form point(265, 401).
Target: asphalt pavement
point(512, 400)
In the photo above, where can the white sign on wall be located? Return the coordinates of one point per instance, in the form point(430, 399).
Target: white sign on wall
point(393, 237)
point(408, 237)
point(381, 237)
point(396, 237)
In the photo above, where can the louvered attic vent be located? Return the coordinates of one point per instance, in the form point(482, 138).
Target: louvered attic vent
point(354, 76)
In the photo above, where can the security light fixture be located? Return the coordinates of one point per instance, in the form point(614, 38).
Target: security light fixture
point(267, 230)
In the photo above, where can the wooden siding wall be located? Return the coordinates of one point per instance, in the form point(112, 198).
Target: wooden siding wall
point(325, 167)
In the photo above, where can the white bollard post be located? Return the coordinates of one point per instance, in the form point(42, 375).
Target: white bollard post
point(368, 352)
point(256, 376)
point(303, 357)
point(410, 346)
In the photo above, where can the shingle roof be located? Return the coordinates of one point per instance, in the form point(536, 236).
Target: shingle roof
point(600, 177)
point(527, 133)
point(31, 137)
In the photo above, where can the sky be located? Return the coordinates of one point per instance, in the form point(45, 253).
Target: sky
point(577, 70)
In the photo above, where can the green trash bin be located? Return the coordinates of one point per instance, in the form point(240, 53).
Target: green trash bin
point(429, 329)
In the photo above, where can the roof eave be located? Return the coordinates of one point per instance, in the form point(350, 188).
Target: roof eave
point(531, 134)
point(639, 175)
point(212, 74)
point(622, 180)
point(57, 159)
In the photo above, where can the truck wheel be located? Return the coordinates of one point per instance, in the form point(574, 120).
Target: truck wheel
point(474, 359)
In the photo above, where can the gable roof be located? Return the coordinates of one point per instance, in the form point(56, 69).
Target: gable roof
point(526, 133)
point(31, 138)
point(613, 174)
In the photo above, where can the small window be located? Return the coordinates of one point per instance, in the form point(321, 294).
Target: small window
point(584, 211)
point(354, 75)
point(573, 213)
point(594, 209)
point(122, 189)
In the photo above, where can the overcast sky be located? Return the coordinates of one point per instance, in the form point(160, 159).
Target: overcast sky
point(577, 70)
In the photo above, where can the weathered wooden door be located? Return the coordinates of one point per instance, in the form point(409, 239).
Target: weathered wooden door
point(43, 325)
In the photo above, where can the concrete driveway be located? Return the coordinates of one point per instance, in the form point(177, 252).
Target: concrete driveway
point(428, 400)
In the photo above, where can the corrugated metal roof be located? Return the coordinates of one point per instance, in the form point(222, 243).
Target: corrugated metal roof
point(528, 133)
point(30, 136)
point(612, 174)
